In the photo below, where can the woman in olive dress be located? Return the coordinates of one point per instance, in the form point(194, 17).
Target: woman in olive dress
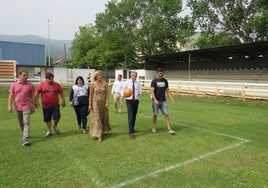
point(98, 105)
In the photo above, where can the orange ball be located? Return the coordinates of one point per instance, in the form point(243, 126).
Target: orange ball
point(128, 92)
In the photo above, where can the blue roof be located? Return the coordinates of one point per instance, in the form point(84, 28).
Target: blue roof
point(23, 53)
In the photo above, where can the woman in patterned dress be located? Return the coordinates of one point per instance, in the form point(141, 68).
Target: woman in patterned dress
point(98, 105)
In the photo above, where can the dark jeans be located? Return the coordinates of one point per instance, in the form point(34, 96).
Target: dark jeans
point(81, 112)
point(132, 108)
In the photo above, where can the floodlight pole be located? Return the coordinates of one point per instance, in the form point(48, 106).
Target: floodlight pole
point(189, 67)
point(48, 48)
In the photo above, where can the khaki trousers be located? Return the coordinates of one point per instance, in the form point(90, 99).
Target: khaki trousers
point(118, 103)
point(24, 122)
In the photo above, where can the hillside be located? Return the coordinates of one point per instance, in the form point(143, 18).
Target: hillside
point(56, 46)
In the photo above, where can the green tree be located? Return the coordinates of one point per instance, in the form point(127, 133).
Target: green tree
point(230, 22)
point(117, 26)
point(84, 41)
point(49, 60)
point(211, 39)
point(143, 27)
point(128, 29)
point(161, 27)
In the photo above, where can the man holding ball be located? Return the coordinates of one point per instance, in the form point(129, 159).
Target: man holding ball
point(132, 101)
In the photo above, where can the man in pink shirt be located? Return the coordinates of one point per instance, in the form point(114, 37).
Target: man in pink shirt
point(21, 93)
point(50, 92)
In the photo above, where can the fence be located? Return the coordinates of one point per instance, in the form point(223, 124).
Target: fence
point(241, 90)
point(35, 81)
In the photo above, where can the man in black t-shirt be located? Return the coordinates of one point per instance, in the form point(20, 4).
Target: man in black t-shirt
point(159, 89)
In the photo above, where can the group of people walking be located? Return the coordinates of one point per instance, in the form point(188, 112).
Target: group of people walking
point(158, 90)
point(86, 99)
point(23, 99)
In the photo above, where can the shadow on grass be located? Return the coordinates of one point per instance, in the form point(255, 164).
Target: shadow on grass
point(118, 131)
point(63, 134)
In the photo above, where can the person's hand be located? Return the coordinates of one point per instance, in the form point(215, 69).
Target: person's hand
point(32, 109)
point(71, 103)
point(63, 104)
point(172, 101)
point(36, 104)
point(106, 106)
point(156, 101)
point(10, 109)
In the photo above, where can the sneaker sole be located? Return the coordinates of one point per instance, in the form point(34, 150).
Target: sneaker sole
point(48, 135)
point(26, 144)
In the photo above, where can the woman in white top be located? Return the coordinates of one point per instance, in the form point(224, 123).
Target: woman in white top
point(79, 100)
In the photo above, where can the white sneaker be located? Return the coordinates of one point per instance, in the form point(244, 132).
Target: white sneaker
point(25, 142)
point(170, 131)
point(153, 130)
point(57, 130)
point(48, 134)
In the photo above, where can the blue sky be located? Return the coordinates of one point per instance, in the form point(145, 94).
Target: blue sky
point(30, 17)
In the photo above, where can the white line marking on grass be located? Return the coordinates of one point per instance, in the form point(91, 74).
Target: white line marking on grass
point(217, 133)
point(82, 168)
point(209, 131)
point(189, 161)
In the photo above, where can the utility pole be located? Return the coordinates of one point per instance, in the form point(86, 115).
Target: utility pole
point(1, 55)
point(65, 61)
point(48, 48)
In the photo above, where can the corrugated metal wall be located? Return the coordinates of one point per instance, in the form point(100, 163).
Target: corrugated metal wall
point(23, 53)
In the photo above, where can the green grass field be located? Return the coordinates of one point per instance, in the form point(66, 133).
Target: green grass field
point(219, 142)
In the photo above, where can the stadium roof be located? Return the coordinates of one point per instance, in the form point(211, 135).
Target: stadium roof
point(240, 51)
